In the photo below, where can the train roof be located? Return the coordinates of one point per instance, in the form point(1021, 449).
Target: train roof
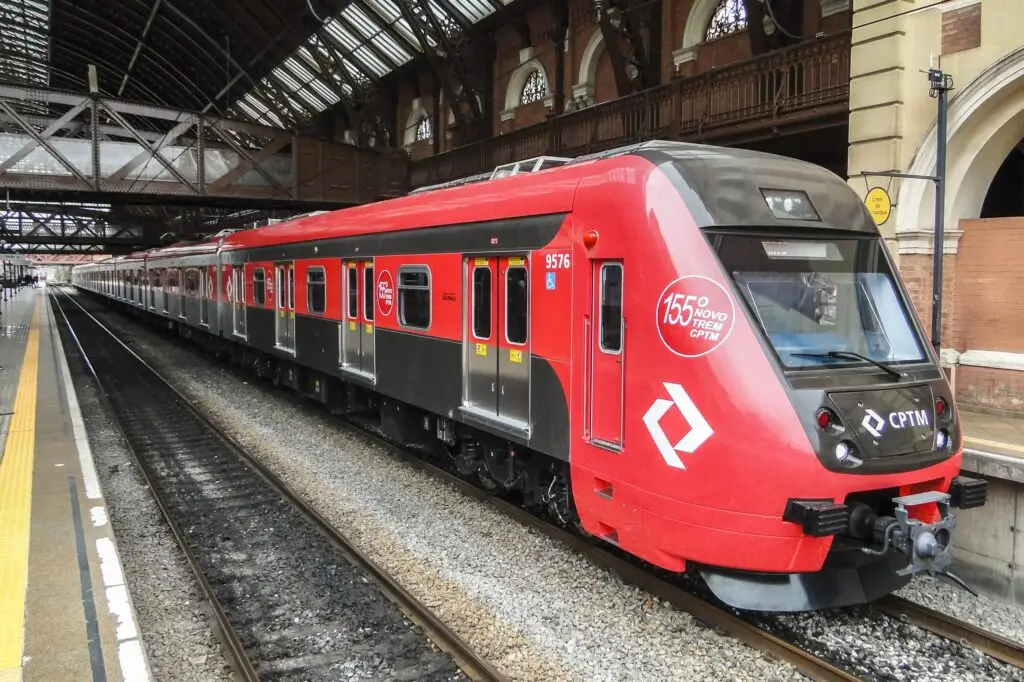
point(710, 178)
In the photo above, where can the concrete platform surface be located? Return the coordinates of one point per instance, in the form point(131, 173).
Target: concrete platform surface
point(65, 612)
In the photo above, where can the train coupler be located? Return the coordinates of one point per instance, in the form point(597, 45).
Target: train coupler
point(928, 546)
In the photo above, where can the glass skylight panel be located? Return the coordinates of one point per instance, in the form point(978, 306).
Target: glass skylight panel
point(389, 11)
point(474, 10)
point(372, 61)
point(24, 33)
point(340, 33)
point(371, 30)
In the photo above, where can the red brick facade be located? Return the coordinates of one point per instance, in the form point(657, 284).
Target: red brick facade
point(983, 309)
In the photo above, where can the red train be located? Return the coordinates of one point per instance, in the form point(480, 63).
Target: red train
point(701, 355)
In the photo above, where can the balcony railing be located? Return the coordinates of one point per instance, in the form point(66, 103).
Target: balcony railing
point(804, 81)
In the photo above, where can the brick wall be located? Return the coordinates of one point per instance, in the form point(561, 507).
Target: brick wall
point(982, 306)
point(989, 311)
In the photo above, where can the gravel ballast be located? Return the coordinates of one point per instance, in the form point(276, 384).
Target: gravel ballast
point(535, 608)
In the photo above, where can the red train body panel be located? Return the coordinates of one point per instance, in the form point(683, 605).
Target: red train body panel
point(703, 356)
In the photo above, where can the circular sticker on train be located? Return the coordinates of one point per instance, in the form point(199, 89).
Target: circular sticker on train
point(695, 315)
point(385, 293)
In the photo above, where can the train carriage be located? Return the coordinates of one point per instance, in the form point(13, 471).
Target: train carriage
point(703, 356)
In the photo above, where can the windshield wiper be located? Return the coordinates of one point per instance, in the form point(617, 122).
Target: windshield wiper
point(850, 354)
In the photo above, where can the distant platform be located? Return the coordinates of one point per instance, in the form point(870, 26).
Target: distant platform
point(65, 611)
point(993, 445)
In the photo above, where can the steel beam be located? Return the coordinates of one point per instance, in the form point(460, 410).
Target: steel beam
point(102, 146)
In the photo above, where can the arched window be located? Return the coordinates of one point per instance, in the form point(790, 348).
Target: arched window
point(730, 16)
point(534, 89)
point(424, 131)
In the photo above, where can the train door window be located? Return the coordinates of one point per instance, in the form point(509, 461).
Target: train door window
point(316, 290)
point(605, 394)
point(353, 292)
point(516, 305)
point(513, 354)
point(259, 286)
point(291, 288)
point(611, 307)
point(368, 292)
point(482, 302)
point(414, 296)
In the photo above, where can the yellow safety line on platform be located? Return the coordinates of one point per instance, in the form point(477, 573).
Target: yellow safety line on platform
point(994, 444)
point(16, 509)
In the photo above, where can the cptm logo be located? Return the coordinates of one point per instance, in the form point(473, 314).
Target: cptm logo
point(700, 430)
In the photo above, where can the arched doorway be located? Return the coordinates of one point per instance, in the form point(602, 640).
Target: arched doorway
point(1005, 196)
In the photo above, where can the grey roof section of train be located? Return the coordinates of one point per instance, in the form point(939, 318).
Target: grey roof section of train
point(722, 185)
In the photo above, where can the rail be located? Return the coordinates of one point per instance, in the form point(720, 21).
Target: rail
point(802, 82)
point(944, 625)
point(209, 489)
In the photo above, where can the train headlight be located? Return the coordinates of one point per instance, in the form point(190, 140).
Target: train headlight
point(942, 440)
point(843, 451)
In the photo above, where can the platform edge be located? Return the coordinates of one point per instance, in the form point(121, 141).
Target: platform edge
point(132, 658)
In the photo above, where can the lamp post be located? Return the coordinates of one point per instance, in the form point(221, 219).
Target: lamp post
point(940, 84)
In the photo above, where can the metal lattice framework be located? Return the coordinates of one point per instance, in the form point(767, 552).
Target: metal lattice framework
point(207, 101)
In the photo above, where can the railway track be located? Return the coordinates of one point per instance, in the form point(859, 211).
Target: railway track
point(944, 625)
point(290, 596)
point(706, 611)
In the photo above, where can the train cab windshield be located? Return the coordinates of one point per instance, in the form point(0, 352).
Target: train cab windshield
point(823, 302)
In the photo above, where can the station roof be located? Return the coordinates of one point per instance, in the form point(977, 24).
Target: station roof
point(275, 62)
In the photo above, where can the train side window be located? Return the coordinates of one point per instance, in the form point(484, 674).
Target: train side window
point(353, 293)
point(414, 296)
point(316, 290)
point(482, 302)
point(611, 308)
point(368, 292)
point(259, 286)
point(516, 305)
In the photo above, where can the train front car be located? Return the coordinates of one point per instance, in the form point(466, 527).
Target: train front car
point(787, 430)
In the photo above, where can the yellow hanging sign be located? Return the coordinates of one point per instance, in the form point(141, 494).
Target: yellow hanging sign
point(879, 205)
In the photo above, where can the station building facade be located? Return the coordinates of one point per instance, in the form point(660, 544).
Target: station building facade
point(892, 127)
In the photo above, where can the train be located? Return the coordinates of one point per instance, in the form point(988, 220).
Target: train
point(702, 356)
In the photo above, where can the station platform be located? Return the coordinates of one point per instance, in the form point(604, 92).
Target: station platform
point(993, 444)
point(65, 612)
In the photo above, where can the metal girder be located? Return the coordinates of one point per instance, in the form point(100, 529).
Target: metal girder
point(461, 68)
point(102, 145)
point(632, 36)
point(58, 226)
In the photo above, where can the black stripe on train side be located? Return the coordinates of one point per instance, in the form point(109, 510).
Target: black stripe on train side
point(428, 375)
point(515, 234)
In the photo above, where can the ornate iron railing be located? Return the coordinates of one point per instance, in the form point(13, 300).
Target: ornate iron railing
point(800, 82)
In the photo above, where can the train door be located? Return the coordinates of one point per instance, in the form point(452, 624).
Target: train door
point(205, 287)
point(182, 288)
point(607, 352)
point(513, 340)
point(284, 302)
point(366, 329)
point(357, 325)
point(480, 346)
point(238, 309)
